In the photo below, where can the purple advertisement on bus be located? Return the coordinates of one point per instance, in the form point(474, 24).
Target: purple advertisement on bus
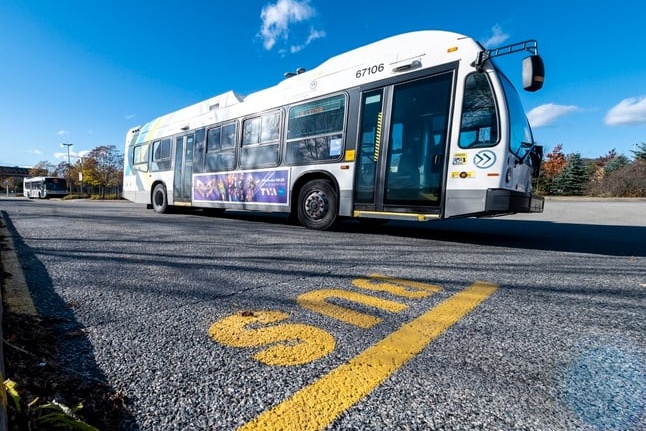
point(263, 187)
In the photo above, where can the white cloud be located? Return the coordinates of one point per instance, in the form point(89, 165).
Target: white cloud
point(546, 114)
point(278, 18)
point(62, 133)
point(628, 111)
point(62, 156)
point(497, 37)
point(314, 34)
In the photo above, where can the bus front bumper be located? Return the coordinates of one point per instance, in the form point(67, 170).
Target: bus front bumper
point(499, 201)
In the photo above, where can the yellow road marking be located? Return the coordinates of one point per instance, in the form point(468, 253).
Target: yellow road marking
point(316, 300)
point(289, 343)
point(396, 286)
point(315, 406)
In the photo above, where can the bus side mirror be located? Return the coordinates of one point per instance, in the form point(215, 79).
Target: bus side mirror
point(533, 73)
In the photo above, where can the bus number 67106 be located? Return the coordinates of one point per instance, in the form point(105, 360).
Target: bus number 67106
point(372, 70)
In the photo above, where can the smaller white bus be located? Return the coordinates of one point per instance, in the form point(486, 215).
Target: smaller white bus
point(44, 187)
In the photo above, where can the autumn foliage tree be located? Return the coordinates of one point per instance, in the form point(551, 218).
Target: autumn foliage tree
point(551, 168)
point(610, 175)
point(103, 168)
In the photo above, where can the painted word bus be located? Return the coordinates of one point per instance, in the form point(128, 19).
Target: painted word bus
point(44, 187)
point(418, 126)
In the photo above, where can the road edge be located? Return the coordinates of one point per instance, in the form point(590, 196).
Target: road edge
point(14, 295)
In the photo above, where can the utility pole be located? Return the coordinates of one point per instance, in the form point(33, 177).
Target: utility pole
point(69, 185)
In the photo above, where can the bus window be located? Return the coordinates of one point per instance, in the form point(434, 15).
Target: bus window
point(228, 136)
point(270, 127)
point(198, 151)
point(161, 155)
point(140, 157)
point(479, 126)
point(220, 148)
point(370, 133)
point(213, 140)
point(260, 141)
point(315, 130)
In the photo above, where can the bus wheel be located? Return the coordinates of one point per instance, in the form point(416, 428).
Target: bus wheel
point(160, 200)
point(317, 205)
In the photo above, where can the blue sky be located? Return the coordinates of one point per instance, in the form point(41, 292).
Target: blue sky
point(84, 72)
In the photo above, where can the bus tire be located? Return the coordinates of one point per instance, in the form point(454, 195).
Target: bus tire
point(317, 205)
point(160, 199)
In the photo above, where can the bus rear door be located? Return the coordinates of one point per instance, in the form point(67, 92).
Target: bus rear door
point(183, 178)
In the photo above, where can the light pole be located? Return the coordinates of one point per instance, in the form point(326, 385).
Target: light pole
point(68, 165)
point(81, 173)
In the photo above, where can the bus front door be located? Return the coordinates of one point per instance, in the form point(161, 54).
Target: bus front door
point(403, 145)
point(183, 178)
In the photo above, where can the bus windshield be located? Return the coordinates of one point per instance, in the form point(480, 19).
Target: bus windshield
point(55, 184)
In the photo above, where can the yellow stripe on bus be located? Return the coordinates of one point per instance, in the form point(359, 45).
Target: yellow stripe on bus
point(317, 405)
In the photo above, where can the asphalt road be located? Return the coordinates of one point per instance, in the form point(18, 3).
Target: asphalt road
point(530, 322)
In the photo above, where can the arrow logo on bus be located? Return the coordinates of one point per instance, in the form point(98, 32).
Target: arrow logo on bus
point(484, 159)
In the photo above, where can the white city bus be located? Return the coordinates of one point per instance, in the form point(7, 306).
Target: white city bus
point(44, 187)
point(418, 126)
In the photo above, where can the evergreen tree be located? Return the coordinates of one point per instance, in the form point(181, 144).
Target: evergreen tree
point(573, 179)
point(640, 152)
point(615, 163)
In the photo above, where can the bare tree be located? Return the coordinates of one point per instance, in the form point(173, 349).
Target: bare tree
point(9, 184)
point(42, 169)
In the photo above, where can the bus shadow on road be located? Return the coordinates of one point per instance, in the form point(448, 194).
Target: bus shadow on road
point(534, 235)
point(612, 240)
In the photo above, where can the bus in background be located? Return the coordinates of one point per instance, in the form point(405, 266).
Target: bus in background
point(418, 126)
point(44, 187)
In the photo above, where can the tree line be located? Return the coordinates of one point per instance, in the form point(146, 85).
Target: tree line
point(611, 175)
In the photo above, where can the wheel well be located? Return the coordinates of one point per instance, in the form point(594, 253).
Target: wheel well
point(307, 178)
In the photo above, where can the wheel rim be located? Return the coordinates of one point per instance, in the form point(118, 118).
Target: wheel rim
point(159, 198)
point(316, 205)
